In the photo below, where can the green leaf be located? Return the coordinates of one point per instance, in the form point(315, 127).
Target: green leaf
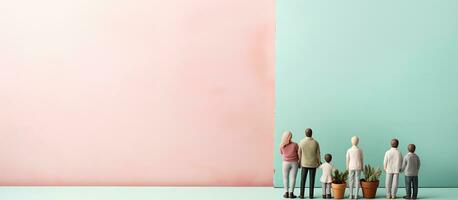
point(371, 174)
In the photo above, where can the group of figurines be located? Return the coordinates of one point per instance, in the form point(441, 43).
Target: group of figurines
point(306, 156)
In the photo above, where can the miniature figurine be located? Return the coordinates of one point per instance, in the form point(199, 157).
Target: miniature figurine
point(288, 149)
point(354, 166)
point(326, 177)
point(411, 166)
point(309, 159)
point(392, 165)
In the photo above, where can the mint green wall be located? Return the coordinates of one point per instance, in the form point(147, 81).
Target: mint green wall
point(376, 69)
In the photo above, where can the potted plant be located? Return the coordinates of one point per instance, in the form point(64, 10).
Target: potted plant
point(339, 183)
point(370, 182)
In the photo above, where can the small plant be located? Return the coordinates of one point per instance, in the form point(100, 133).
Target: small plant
point(339, 177)
point(339, 183)
point(371, 174)
point(370, 182)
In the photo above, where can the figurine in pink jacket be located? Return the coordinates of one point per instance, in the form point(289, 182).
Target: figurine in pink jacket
point(288, 150)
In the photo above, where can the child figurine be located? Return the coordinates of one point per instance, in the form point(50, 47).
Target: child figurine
point(326, 177)
point(288, 149)
point(392, 165)
point(354, 166)
point(411, 166)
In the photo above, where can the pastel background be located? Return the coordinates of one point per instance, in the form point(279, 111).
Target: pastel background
point(136, 92)
point(376, 69)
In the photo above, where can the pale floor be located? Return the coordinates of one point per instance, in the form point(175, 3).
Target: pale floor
point(179, 193)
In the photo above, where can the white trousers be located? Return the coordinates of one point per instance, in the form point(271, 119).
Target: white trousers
point(326, 187)
point(391, 183)
point(354, 182)
point(289, 175)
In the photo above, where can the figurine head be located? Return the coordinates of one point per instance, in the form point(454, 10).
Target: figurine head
point(411, 148)
point(308, 132)
point(286, 138)
point(328, 157)
point(355, 140)
point(394, 143)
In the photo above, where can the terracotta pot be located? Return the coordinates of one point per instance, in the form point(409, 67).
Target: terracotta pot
point(369, 189)
point(339, 190)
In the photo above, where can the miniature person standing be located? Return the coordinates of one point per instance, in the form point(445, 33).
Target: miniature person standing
point(309, 159)
point(288, 150)
point(354, 166)
point(411, 166)
point(326, 177)
point(392, 165)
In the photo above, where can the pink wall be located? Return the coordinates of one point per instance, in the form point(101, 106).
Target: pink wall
point(136, 92)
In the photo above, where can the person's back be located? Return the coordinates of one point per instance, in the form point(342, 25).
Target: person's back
point(326, 177)
point(289, 152)
point(327, 168)
point(411, 164)
point(288, 149)
point(355, 158)
point(309, 159)
point(354, 162)
point(393, 161)
point(309, 152)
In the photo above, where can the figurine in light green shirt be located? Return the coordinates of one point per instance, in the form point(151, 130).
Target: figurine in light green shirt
point(309, 160)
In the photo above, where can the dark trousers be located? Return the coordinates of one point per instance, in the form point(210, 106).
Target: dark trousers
point(304, 172)
point(411, 184)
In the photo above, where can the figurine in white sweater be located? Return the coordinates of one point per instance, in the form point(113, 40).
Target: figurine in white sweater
point(354, 166)
point(392, 165)
point(326, 177)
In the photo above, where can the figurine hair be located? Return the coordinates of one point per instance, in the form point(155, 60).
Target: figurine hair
point(286, 138)
point(411, 148)
point(328, 157)
point(394, 143)
point(308, 132)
